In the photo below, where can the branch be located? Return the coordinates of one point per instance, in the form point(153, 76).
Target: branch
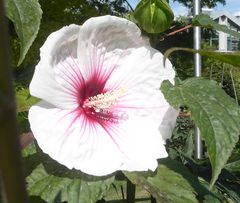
point(176, 31)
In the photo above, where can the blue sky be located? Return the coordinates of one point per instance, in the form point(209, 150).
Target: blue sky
point(232, 6)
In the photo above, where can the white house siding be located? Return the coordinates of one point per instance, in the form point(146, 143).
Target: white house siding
point(225, 41)
point(222, 36)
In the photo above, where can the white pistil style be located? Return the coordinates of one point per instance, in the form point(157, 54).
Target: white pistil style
point(104, 101)
point(102, 104)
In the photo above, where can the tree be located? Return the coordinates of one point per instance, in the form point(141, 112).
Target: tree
point(207, 3)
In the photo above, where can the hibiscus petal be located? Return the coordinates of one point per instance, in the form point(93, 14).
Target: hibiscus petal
point(141, 146)
point(45, 84)
point(109, 32)
point(104, 40)
point(141, 74)
point(73, 140)
point(96, 149)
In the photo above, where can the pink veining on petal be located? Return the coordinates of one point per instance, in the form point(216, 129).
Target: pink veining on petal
point(68, 71)
point(92, 82)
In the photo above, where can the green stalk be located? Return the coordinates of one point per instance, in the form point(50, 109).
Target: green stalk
point(131, 191)
point(10, 157)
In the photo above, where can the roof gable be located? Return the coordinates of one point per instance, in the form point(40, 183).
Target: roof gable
point(218, 14)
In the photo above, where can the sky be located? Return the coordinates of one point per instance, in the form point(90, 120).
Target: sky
point(233, 6)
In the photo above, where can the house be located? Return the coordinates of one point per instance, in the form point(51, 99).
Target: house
point(226, 42)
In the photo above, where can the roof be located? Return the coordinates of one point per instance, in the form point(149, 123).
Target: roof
point(217, 14)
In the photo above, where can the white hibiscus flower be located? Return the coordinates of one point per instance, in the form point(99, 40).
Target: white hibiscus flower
point(101, 109)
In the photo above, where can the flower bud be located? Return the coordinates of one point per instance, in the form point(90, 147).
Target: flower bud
point(154, 16)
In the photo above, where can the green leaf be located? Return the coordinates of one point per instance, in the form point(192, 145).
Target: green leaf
point(24, 100)
point(232, 58)
point(171, 183)
point(23, 125)
point(207, 22)
point(26, 16)
point(213, 111)
point(188, 149)
point(232, 191)
point(59, 184)
point(217, 196)
point(58, 189)
point(154, 16)
point(233, 167)
point(30, 150)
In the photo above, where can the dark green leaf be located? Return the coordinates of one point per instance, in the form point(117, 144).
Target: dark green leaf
point(217, 196)
point(30, 159)
point(232, 191)
point(24, 100)
point(59, 184)
point(207, 22)
point(58, 189)
point(154, 16)
point(232, 58)
point(26, 16)
point(213, 111)
point(29, 150)
point(189, 146)
point(23, 123)
point(233, 166)
point(210, 199)
point(171, 183)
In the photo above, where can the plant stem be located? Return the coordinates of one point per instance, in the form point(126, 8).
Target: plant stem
point(153, 200)
point(131, 191)
point(179, 30)
point(10, 157)
point(175, 32)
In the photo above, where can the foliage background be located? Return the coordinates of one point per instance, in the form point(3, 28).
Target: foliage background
point(179, 178)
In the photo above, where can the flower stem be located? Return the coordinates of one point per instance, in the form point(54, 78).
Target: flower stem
point(153, 200)
point(10, 162)
point(131, 190)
